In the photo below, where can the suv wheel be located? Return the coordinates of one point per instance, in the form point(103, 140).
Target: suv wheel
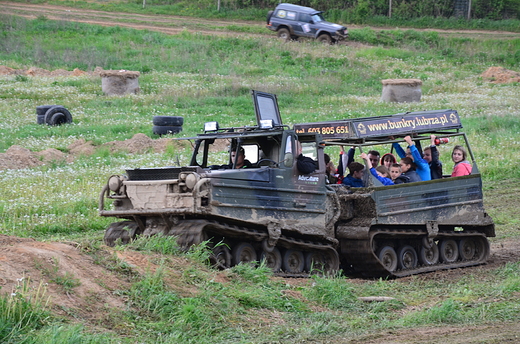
point(325, 39)
point(284, 34)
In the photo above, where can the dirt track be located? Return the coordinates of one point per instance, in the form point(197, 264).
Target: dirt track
point(171, 24)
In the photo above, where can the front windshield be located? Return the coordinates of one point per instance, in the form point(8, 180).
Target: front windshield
point(317, 18)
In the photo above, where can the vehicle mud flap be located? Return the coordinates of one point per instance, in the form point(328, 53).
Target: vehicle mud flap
point(189, 232)
point(124, 230)
point(275, 230)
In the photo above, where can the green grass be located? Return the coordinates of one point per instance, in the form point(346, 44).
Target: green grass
point(241, 10)
point(207, 78)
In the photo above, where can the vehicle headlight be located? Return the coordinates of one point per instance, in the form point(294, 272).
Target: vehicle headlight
point(191, 180)
point(115, 183)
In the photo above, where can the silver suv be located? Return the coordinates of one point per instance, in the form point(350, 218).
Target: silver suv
point(293, 21)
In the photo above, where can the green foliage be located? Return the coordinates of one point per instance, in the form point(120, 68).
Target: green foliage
point(332, 292)
point(447, 312)
point(157, 243)
point(66, 334)
point(23, 311)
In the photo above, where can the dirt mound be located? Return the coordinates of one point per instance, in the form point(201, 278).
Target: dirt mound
point(17, 157)
point(139, 143)
point(78, 287)
point(499, 75)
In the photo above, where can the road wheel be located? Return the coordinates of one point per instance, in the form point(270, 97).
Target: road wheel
point(407, 257)
point(293, 261)
point(448, 251)
point(325, 39)
point(388, 258)
point(243, 253)
point(57, 115)
point(429, 256)
point(467, 248)
point(221, 257)
point(166, 129)
point(168, 120)
point(314, 262)
point(284, 35)
point(331, 258)
point(481, 248)
point(273, 259)
point(124, 230)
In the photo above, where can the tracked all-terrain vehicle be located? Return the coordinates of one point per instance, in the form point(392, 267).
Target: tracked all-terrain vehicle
point(297, 222)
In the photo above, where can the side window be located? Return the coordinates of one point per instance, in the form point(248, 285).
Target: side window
point(289, 145)
point(251, 153)
point(283, 14)
point(291, 15)
point(306, 18)
point(309, 150)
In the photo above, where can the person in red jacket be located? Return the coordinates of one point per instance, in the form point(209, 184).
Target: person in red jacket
point(462, 166)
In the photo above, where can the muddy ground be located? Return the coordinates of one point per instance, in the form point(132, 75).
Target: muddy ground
point(91, 299)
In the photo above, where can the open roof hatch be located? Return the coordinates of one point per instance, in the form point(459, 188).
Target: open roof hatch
point(266, 108)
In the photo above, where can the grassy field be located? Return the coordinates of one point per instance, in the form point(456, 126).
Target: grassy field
point(207, 78)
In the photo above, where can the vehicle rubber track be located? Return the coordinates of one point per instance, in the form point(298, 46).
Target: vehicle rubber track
point(364, 260)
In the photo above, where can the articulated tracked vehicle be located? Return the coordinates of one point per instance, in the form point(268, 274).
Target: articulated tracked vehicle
point(266, 206)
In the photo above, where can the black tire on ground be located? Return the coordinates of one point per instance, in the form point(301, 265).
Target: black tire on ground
point(40, 119)
point(243, 253)
point(284, 34)
point(168, 121)
point(166, 129)
point(58, 119)
point(64, 117)
point(325, 39)
point(269, 14)
point(388, 258)
point(42, 109)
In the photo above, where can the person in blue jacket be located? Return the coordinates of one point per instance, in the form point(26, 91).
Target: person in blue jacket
point(355, 177)
point(422, 166)
point(431, 155)
point(381, 172)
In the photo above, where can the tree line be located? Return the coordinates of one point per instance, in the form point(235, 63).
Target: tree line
point(398, 9)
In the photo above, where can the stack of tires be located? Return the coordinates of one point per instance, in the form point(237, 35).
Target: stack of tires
point(52, 115)
point(165, 125)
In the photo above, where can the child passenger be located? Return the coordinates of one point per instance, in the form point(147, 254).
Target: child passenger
point(380, 172)
point(388, 159)
point(395, 171)
point(409, 174)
